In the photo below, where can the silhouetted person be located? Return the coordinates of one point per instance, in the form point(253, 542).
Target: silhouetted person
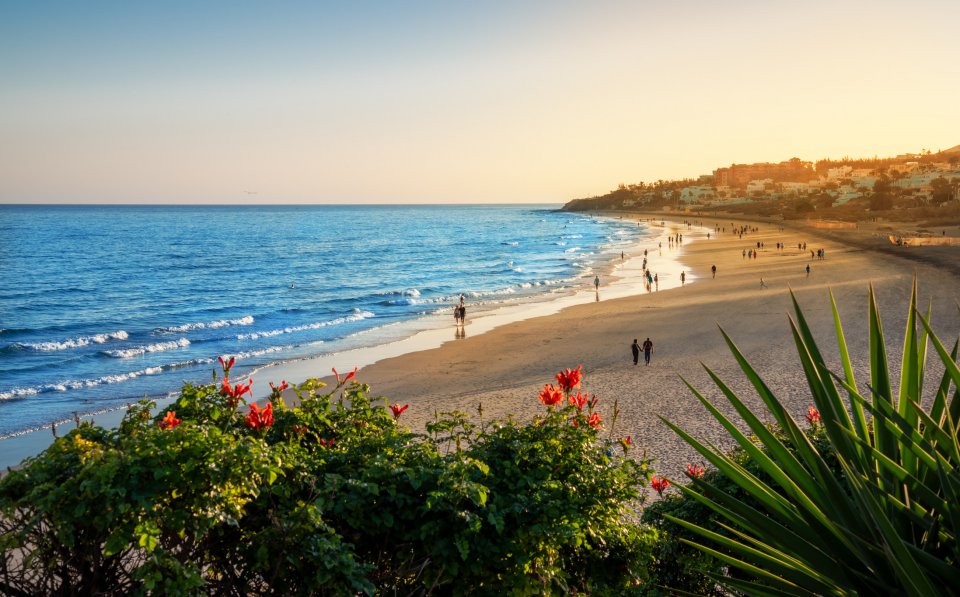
point(635, 348)
point(647, 349)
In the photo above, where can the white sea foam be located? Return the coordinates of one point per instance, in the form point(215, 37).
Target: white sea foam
point(310, 326)
point(222, 323)
point(256, 353)
point(572, 250)
point(76, 342)
point(127, 353)
point(76, 384)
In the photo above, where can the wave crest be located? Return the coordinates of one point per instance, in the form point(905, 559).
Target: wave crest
point(126, 353)
point(75, 342)
point(222, 323)
point(309, 326)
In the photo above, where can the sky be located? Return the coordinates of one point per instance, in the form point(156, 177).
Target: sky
point(454, 102)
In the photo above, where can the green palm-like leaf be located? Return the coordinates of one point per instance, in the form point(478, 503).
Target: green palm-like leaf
point(887, 521)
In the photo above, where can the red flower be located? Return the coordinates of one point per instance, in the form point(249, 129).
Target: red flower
point(570, 378)
point(277, 390)
point(345, 379)
point(813, 415)
point(235, 392)
point(227, 365)
point(326, 443)
point(579, 400)
point(398, 410)
point(695, 470)
point(550, 395)
point(260, 419)
point(170, 421)
point(594, 420)
point(626, 442)
point(659, 484)
point(299, 429)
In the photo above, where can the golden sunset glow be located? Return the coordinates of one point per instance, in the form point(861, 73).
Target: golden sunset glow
point(434, 103)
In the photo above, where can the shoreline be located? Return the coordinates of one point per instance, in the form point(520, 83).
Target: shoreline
point(432, 331)
point(504, 367)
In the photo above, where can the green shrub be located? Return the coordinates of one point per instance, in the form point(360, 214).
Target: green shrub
point(333, 496)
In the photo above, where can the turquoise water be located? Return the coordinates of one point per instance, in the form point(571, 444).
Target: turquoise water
point(101, 305)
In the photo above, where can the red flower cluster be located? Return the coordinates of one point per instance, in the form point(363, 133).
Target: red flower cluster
point(593, 421)
point(170, 421)
point(346, 378)
point(260, 419)
point(398, 410)
point(813, 415)
point(659, 484)
point(277, 390)
point(579, 400)
point(227, 365)
point(626, 442)
point(235, 392)
point(550, 395)
point(326, 443)
point(570, 378)
point(299, 429)
point(695, 470)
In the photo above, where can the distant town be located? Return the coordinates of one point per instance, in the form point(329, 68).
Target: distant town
point(915, 186)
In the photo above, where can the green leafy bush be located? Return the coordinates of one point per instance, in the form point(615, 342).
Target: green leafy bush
point(332, 496)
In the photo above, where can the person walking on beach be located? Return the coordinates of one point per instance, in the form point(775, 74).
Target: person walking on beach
point(713, 269)
point(596, 283)
point(683, 278)
point(808, 270)
point(656, 280)
point(647, 349)
point(762, 283)
point(635, 349)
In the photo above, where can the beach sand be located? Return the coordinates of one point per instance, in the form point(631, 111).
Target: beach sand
point(504, 368)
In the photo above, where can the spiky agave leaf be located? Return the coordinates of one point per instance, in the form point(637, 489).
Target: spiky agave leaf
point(891, 523)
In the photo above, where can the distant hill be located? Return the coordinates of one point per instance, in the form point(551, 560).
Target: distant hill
point(953, 150)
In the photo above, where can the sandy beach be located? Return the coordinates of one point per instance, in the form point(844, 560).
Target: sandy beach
point(504, 368)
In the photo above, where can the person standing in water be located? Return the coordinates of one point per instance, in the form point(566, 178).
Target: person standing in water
point(683, 278)
point(596, 283)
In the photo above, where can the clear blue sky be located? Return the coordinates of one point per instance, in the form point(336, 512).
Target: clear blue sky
point(454, 102)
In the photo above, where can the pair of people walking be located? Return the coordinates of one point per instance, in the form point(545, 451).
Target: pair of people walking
point(646, 347)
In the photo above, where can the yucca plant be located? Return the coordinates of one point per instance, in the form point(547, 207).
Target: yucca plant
point(887, 525)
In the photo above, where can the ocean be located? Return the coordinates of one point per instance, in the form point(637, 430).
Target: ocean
point(101, 306)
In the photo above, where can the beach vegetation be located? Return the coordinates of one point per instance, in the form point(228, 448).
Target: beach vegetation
point(333, 495)
point(861, 500)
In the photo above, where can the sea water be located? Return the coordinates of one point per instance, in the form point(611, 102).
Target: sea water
point(104, 305)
